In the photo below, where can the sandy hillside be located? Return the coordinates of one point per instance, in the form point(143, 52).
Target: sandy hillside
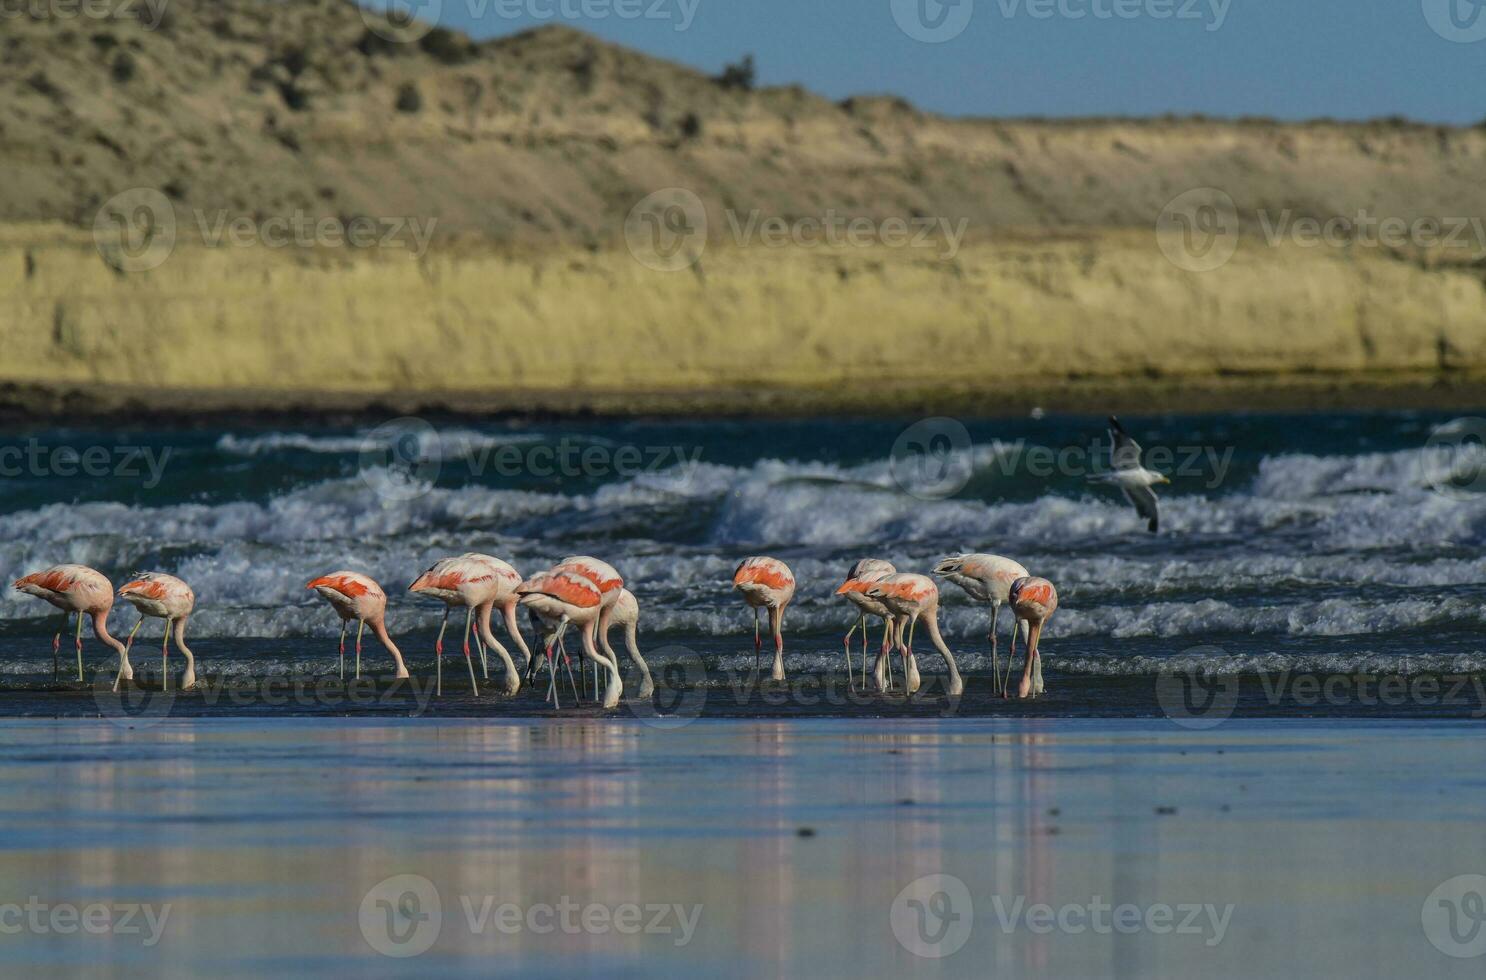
point(522, 157)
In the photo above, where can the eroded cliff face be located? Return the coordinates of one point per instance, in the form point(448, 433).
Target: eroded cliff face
point(839, 329)
point(512, 167)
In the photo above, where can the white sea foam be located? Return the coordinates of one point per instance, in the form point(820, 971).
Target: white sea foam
point(1312, 546)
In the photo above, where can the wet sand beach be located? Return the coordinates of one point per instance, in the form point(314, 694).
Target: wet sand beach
point(753, 848)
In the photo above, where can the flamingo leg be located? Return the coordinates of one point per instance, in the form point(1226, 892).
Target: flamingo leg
point(469, 615)
point(551, 674)
point(79, 647)
point(887, 656)
point(1010, 656)
point(882, 651)
point(908, 658)
point(345, 624)
point(776, 625)
point(360, 628)
point(128, 645)
point(438, 654)
point(1037, 686)
point(165, 658)
point(1025, 689)
point(995, 611)
point(484, 664)
point(57, 647)
point(758, 643)
point(850, 677)
point(568, 663)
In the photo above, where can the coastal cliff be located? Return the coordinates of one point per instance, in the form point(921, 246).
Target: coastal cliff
point(502, 186)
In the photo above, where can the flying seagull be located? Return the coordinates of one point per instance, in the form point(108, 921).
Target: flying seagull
point(1133, 479)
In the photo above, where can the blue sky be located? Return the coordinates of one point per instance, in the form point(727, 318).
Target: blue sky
point(1285, 58)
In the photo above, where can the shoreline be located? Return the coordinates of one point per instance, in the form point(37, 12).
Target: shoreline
point(111, 405)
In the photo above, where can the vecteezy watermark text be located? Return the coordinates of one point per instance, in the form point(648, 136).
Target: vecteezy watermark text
point(669, 230)
point(1209, 463)
point(98, 462)
point(935, 458)
point(1199, 230)
point(36, 917)
point(403, 916)
point(835, 230)
point(937, 21)
point(1199, 700)
point(401, 459)
point(137, 230)
point(148, 13)
point(301, 230)
point(567, 917)
point(137, 707)
point(407, 21)
point(1103, 918)
point(1212, 14)
point(933, 917)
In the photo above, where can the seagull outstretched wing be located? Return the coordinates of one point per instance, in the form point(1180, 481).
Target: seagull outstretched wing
point(1124, 452)
point(1144, 502)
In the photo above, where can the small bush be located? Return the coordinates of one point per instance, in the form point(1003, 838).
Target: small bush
point(123, 67)
point(447, 47)
point(408, 98)
point(739, 76)
point(294, 97)
point(295, 61)
point(373, 44)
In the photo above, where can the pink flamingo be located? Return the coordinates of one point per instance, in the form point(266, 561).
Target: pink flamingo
point(766, 583)
point(861, 575)
point(626, 612)
point(78, 589)
point(478, 583)
point(986, 578)
point(357, 597)
point(610, 584)
point(163, 597)
point(1033, 600)
point(913, 597)
point(563, 598)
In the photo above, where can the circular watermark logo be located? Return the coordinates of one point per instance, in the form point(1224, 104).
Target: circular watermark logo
point(134, 231)
point(933, 21)
point(1454, 917)
point(401, 916)
point(1197, 231)
point(402, 21)
point(932, 916)
point(932, 458)
point(1195, 699)
point(680, 689)
point(126, 705)
point(667, 231)
point(1461, 21)
point(1454, 460)
point(400, 459)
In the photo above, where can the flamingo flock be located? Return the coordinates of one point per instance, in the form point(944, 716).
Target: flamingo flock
point(590, 595)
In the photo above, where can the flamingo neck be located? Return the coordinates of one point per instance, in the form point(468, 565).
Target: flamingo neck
point(180, 639)
point(100, 629)
point(379, 629)
point(513, 628)
point(931, 620)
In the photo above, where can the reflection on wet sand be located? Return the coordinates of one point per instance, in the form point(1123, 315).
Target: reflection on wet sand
point(791, 838)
